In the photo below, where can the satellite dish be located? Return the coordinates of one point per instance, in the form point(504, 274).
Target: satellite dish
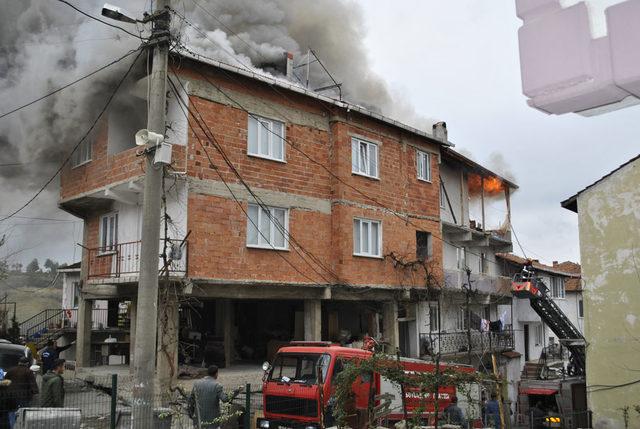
point(143, 137)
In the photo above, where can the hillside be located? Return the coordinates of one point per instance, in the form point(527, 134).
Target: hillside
point(32, 292)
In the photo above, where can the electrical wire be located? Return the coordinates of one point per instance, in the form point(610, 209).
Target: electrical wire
point(137, 36)
point(63, 88)
point(86, 134)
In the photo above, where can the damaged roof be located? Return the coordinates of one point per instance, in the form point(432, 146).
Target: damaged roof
point(569, 269)
point(285, 84)
point(448, 152)
point(571, 203)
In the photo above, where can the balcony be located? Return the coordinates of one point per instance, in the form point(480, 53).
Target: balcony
point(483, 283)
point(122, 261)
point(452, 343)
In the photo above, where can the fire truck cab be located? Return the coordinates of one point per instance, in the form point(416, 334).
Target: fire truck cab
point(292, 396)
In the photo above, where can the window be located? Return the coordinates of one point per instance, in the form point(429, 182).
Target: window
point(461, 258)
point(423, 160)
point(434, 318)
point(367, 237)
point(108, 232)
point(443, 196)
point(266, 138)
point(487, 312)
point(82, 154)
point(539, 334)
point(424, 247)
point(461, 319)
point(557, 287)
point(580, 308)
point(76, 293)
point(364, 158)
point(299, 368)
point(267, 227)
point(482, 268)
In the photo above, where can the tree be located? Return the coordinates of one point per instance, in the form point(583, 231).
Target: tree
point(3, 264)
point(51, 266)
point(33, 266)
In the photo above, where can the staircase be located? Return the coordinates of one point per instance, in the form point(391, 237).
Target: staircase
point(531, 371)
point(48, 325)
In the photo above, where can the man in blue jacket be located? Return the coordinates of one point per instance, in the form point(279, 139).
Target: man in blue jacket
point(50, 354)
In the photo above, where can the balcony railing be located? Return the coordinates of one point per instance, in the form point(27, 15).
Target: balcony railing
point(448, 343)
point(123, 259)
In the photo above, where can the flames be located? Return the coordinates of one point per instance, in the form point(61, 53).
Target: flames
point(492, 185)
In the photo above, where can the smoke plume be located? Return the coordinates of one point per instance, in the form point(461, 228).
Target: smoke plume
point(44, 45)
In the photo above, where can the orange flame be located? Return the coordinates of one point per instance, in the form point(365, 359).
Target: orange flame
point(492, 185)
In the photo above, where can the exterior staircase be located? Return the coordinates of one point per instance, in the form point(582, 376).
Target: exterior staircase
point(531, 371)
point(48, 325)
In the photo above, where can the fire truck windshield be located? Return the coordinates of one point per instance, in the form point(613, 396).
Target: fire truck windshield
point(299, 368)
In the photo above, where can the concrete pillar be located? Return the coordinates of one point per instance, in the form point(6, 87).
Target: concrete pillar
point(390, 331)
point(83, 335)
point(167, 344)
point(133, 316)
point(228, 323)
point(312, 320)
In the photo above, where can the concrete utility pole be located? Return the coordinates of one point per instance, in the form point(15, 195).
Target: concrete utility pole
point(147, 312)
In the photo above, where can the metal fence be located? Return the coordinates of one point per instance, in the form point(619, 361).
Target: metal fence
point(458, 342)
point(105, 402)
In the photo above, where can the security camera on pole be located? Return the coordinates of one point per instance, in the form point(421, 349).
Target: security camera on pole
point(153, 140)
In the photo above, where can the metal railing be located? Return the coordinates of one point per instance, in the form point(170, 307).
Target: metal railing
point(458, 342)
point(123, 259)
point(51, 323)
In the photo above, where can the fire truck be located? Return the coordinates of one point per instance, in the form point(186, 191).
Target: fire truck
point(294, 399)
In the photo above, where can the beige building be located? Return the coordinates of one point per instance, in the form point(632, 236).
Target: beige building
point(609, 224)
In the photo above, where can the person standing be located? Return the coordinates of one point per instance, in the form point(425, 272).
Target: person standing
point(53, 386)
point(205, 399)
point(51, 353)
point(492, 412)
point(453, 414)
point(23, 387)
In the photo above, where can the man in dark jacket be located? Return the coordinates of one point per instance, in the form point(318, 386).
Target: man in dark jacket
point(50, 353)
point(23, 386)
point(453, 414)
point(53, 386)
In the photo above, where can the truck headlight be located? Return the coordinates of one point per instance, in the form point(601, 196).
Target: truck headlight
point(264, 424)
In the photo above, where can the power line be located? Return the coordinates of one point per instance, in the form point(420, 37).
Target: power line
point(137, 36)
point(86, 134)
point(63, 88)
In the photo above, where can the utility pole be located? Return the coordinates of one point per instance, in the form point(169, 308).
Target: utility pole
point(147, 312)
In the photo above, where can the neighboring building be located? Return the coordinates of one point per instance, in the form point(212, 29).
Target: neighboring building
point(317, 266)
point(609, 226)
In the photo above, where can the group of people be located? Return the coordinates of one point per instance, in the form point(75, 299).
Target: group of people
point(18, 387)
point(454, 415)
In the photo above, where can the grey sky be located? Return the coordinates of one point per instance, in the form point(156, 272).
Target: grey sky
point(458, 61)
point(455, 61)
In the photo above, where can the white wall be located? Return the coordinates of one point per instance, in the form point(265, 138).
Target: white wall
point(458, 195)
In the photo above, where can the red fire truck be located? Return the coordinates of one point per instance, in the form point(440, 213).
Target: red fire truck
point(292, 398)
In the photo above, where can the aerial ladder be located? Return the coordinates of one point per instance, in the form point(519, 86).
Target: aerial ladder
point(528, 285)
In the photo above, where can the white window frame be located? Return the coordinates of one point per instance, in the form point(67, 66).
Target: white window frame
point(358, 251)
point(461, 319)
point(461, 258)
point(557, 288)
point(271, 135)
point(538, 334)
point(261, 236)
point(109, 242)
point(363, 167)
point(75, 294)
point(82, 154)
point(434, 317)
point(423, 166)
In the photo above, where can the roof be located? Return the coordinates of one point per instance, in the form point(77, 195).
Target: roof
point(563, 271)
point(483, 171)
point(70, 268)
point(288, 85)
point(571, 203)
